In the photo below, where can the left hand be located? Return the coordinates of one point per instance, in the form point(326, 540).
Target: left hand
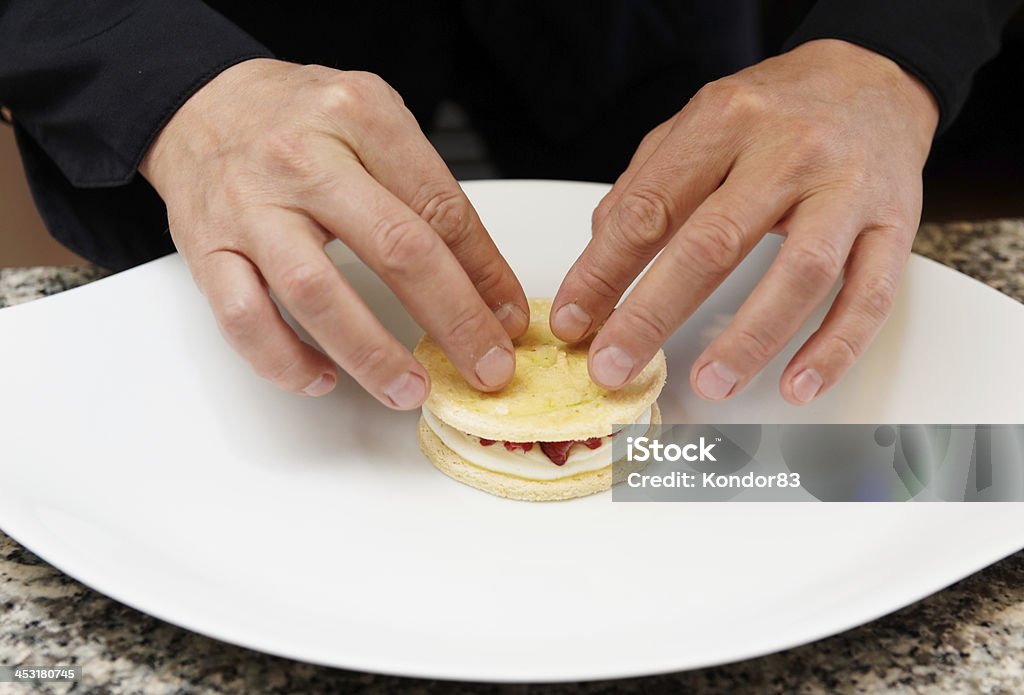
point(824, 144)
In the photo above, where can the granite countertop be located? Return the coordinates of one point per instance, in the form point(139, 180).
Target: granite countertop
point(968, 638)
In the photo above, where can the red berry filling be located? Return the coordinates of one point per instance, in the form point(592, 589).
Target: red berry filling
point(522, 446)
point(557, 452)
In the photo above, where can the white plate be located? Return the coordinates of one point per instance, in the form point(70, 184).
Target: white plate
point(139, 455)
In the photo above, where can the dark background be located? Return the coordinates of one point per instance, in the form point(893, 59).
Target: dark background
point(976, 169)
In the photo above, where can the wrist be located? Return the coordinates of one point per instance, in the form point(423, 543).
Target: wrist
point(875, 70)
point(199, 125)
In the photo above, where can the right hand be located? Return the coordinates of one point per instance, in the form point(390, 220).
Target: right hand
point(267, 163)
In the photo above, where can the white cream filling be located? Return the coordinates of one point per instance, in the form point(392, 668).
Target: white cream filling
point(533, 464)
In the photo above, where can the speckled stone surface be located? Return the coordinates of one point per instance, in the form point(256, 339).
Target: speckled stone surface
point(968, 638)
point(20, 285)
point(992, 252)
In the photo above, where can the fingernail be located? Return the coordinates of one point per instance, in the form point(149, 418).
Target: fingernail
point(512, 318)
point(612, 366)
point(407, 391)
point(806, 385)
point(715, 381)
point(571, 322)
point(495, 368)
point(323, 385)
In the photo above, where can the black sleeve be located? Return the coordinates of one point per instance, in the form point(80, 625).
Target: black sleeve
point(941, 42)
point(89, 85)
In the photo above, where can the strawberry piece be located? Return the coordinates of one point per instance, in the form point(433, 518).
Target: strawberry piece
point(522, 446)
point(558, 452)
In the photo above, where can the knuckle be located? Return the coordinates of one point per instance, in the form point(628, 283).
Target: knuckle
point(347, 91)
point(287, 151)
point(647, 324)
point(237, 193)
point(757, 347)
point(643, 217)
point(655, 135)
point(403, 244)
point(364, 80)
point(357, 95)
point(467, 326)
point(308, 283)
point(896, 218)
point(312, 72)
point(715, 242)
point(373, 85)
point(279, 372)
point(489, 279)
point(807, 159)
point(338, 97)
point(448, 212)
point(600, 214)
point(878, 297)
point(735, 98)
point(815, 141)
point(367, 358)
point(816, 261)
point(239, 316)
point(594, 280)
point(839, 344)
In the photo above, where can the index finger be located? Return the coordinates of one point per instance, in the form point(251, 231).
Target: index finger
point(636, 219)
point(424, 274)
point(707, 248)
point(420, 179)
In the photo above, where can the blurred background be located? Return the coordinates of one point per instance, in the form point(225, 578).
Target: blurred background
point(23, 238)
point(976, 170)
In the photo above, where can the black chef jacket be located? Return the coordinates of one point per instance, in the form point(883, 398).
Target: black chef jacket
point(560, 89)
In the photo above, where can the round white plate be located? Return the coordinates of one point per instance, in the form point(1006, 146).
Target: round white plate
point(139, 455)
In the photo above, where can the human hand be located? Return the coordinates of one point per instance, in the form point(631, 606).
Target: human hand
point(267, 163)
point(824, 144)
